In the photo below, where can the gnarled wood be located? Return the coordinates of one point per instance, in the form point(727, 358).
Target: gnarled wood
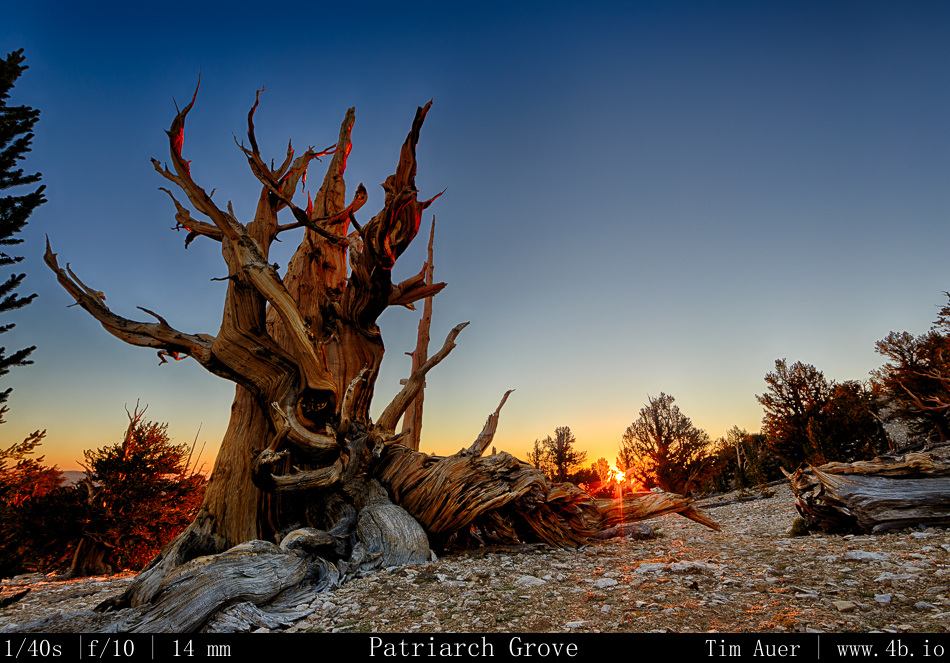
point(255, 571)
point(449, 494)
point(488, 431)
point(874, 496)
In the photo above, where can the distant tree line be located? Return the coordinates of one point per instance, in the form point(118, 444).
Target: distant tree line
point(808, 419)
point(560, 460)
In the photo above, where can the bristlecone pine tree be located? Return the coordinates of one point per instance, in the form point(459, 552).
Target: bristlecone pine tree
point(306, 488)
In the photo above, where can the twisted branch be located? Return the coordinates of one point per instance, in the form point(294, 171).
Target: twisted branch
point(158, 335)
point(390, 416)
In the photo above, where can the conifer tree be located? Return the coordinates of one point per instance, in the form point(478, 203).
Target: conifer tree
point(915, 381)
point(673, 454)
point(136, 497)
point(809, 419)
point(16, 126)
point(26, 486)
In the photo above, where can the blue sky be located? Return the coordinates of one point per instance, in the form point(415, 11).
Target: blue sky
point(641, 197)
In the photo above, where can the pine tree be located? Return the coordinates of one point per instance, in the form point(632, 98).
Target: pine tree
point(628, 462)
point(809, 419)
point(16, 125)
point(557, 457)
point(915, 381)
point(26, 487)
point(673, 452)
point(139, 494)
point(538, 456)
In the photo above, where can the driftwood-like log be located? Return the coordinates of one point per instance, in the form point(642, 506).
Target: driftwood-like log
point(874, 496)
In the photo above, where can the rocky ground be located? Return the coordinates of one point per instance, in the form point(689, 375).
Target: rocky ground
point(752, 576)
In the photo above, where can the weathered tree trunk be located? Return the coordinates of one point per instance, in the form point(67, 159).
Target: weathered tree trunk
point(412, 420)
point(91, 558)
point(302, 464)
point(874, 496)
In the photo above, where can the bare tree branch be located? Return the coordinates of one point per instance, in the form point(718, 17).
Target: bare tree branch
point(193, 226)
point(938, 405)
point(390, 416)
point(385, 237)
point(488, 432)
point(414, 289)
point(182, 176)
point(145, 334)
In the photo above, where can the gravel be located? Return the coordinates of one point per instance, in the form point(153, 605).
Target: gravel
point(751, 577)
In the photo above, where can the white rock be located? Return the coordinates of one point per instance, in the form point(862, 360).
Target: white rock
point(529, 581)
point(652, 567)
point(694, 567)
point(864, 556)
point(895, 577)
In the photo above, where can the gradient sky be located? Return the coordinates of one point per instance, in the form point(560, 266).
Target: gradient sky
point(641, 197)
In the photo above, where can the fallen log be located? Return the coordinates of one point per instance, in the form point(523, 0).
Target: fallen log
point(512, 499)
point(874, 496)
